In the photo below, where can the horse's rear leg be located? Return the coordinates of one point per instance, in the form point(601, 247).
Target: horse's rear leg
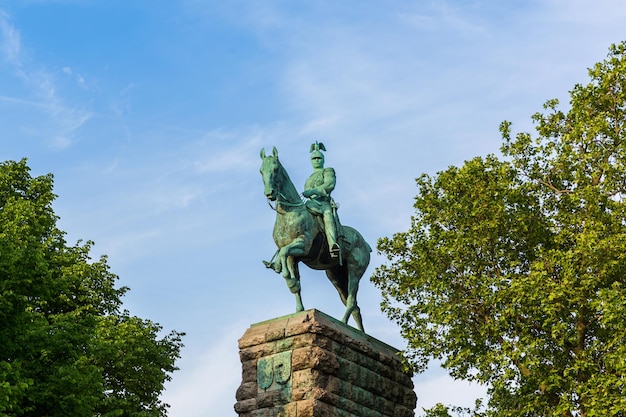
point(356, 315)
point(351, 303)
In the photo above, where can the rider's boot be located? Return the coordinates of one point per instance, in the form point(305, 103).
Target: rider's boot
point(331, 235)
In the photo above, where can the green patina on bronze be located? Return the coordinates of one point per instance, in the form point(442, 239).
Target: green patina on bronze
point(274, 372)
point(310, 231)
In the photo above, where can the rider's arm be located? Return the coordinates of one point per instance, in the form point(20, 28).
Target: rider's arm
point(330, 180)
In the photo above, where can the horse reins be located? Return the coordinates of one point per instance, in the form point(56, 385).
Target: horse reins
point(283, 202)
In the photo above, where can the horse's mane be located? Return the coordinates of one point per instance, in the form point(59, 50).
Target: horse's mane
point(288, 188)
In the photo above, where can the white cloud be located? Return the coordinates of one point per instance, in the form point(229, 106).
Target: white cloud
point(61, 142)
point(64, 123)
point(241, 155)
point(445, 390)
point(228, 160)
point(207, 380)
point(122, 104)
point(129, 245)
point(456, 19)
point(79, 79)
point(11, 44)
point(63, 120)
point(600, 12)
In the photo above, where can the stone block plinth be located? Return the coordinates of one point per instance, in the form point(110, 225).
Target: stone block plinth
point(310, 365)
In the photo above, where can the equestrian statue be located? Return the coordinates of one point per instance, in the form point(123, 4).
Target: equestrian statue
point(309, 231)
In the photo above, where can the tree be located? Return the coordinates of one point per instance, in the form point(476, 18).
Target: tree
point(513, 272)
point(66, 347)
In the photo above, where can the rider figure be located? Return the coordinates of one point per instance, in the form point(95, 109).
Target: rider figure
point(317, 189)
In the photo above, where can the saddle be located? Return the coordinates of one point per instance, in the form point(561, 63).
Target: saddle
point(315, 208)
point(319, 251)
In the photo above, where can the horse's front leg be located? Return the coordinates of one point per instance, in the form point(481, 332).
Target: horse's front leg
point(289, 266)
point(294, 282)
point(286, 257)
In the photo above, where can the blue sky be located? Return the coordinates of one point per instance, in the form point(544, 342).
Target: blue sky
point(151, 116)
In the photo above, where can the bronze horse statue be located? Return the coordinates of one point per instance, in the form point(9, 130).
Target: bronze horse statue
point(300, 237)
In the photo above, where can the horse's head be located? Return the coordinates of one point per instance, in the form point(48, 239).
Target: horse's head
point(270, 170)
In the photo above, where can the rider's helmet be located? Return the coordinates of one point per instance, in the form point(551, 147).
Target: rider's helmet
point(316, 149)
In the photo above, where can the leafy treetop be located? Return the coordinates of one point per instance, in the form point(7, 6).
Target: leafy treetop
point(513, 270)
point(66, 347)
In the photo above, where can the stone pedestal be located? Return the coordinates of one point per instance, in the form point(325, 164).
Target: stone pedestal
point(310, 365)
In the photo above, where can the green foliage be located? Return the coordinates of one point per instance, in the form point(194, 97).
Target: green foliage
point(440, 410)
point(66, 348)
point(513, 270)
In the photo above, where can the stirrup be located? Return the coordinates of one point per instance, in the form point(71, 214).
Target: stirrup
point(335, 251)
point(272, 265)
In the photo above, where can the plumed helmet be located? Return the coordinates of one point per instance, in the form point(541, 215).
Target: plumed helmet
point(316, 149)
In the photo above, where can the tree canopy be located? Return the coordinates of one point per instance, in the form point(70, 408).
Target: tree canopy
point(66, 346)
point(513, 272)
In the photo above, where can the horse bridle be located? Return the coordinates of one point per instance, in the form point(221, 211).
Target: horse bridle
point(284, 202)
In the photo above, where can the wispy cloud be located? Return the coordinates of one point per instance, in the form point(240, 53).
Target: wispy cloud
point(77, 77)
point(10, 41)
point(42, 87)
point(456, 19)
point(122, 104)
point(581, 11)
point(242, 154)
